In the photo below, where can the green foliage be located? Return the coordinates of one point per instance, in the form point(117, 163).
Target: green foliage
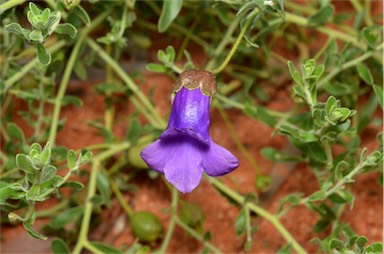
point(40, 181)
point(335, 87)
point(44, 23)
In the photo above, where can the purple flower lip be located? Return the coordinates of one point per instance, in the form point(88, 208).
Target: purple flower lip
point(185, 149)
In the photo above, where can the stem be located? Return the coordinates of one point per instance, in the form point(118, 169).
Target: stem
point(67, 75)
point(96, 163)
point(260, 211)
point(196, 235)
point(153, 116)
point(171, 225)
point(10, 4)
point(347, 65)
point(227, 38)
point(295, 19)
point(128, 210)
point(29, 66)
point(40, 113)
point(53, 210)
point(237, 42)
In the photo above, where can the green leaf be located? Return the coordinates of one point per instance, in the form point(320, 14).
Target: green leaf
point(295, 74)
point(134, 130)
point(82, 14)
point(48, 172)
point(36, 35)
point(379, 93)
point(71, 99)
point(43, 55)
point(336, 244)
point(58, 246)
point(321, 225)
point(317, 196)
point(34, 193)
point(171, 53)
point(321, 16)
point(14, 28)
point(80, 70)
point(67, 29)
point(286, 249)
point(46, 156)
point(71, 159)
point(169, 12)
point(105, 248)
point(77, 186)
point(34, 9)
point(373, 248)
point(103, 187)
point(85, 157)
point(273, 154)
point(249, 6)
point(45, 16)
point(240, 222)
point(365, 73)
point(68, 216)
point(369, 37)
point(24, 163)
point(16, 132)
point(28, 226)
point(156, 68)
point(8, 192)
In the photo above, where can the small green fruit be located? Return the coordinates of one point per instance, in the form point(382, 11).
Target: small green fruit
point(134, 157)
point(146, 226)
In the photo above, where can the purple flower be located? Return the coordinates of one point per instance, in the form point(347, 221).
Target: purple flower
point(185, 149)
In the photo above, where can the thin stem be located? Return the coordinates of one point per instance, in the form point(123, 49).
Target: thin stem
point(92, 248)
point(196, 235)
point(260, 211)
point(96, 163)
point(172, 221)
point(67, 75)
point(367, 13)
point(237, 42)
point(227, 38)
point(128, 210)
point(299, 20)
point(347, 65)
point(53, 210)
point(153, 116)
point(10, 4)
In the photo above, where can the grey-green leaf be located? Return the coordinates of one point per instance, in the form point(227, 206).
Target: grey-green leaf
point(14, 28)
point(36, 35)
point(379, 93)
point(58, 246)
point(365, 73)
point(67, 216)
point(43, 55)
point(67, 29)
point(82, 14)
point(24, 163)
point(169, 12)
point(321, 16)
point(71, 159)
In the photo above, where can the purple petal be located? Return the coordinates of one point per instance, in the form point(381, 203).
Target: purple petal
point(184, 169)
point(190, 114)
point(218, 161)
point(155, 155)
point(179, 159)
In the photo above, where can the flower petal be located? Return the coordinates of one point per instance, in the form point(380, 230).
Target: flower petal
point(190, 114)
point(219, 161)
point(184, 168)
point(156, 154)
